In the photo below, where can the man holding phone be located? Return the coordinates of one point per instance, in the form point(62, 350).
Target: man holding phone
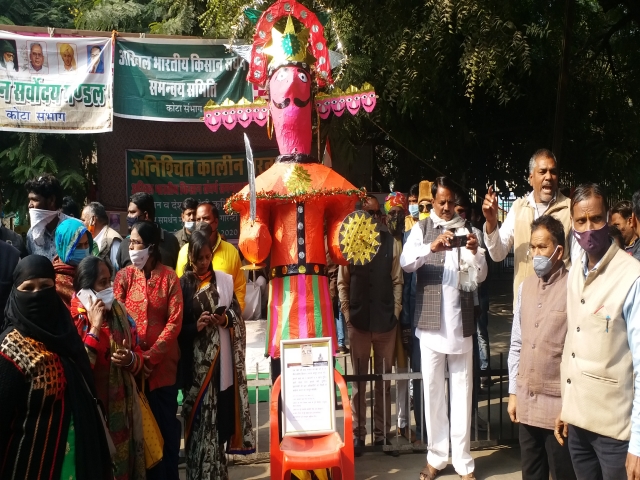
point(448, 270)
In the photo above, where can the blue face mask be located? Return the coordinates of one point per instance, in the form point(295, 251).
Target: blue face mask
point(77, 256)
point(413, 211)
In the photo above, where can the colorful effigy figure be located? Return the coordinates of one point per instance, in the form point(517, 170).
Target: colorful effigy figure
point(296, 198)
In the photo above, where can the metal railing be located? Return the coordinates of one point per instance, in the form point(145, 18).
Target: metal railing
point(491, 406)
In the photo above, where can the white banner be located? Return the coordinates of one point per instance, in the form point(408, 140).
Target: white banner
point(55, 84)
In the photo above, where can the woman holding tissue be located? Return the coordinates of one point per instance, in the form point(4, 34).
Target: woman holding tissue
point(73, 244)
point(216, 404)
point(111, 341)
point(151, 294)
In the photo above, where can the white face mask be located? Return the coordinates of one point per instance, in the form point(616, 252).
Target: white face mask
point(189, 225)
point(139, 257)
point(106, 296)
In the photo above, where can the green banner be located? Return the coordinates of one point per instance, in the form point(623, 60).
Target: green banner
point(173, 176)
point(172, 80)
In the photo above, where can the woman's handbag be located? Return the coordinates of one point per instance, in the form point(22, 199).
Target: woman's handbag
point(153, 441)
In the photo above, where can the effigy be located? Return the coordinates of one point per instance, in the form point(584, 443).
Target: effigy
point(286, 212)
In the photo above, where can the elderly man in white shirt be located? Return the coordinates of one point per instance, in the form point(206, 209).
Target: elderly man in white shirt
point(545, 199)
point(444, 253)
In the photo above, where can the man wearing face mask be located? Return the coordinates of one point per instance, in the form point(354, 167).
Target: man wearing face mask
point(142, 207)
point(443, 251)
point(537, 338)
point(106, 241)
point(412, 218)
point(407, 314)
point(371, 301)
point(545, 199)
point(395, 206)
point(600, 369)
point(188, 207)
point(45, 202)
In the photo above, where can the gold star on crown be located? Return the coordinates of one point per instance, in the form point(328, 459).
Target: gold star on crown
point(289, 46)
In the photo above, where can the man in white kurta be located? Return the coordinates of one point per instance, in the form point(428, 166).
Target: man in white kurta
point(445, 326)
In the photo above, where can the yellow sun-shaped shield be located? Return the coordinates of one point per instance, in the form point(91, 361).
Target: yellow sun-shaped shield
point(359, 238)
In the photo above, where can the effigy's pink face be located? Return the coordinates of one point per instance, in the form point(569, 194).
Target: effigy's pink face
point(290, 105)
point(212, 119)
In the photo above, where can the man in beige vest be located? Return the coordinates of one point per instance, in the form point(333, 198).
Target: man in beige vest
point(106, 240)
point(601, 357)
point(537, 338)
point(545, 199)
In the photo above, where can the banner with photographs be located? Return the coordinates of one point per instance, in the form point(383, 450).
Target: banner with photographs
point(55, 84)
point(172, 80)
point(173, 176)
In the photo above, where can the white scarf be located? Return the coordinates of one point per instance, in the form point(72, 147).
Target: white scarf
point(39, 220)
point(456, 221)
point(224, 285)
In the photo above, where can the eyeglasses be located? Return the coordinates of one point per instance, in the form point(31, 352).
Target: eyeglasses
point(424, 207)
point(374, 213)
point(393, 213)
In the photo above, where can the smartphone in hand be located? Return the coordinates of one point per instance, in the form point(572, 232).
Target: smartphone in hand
point(220, 310)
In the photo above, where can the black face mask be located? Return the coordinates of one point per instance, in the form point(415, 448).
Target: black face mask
point(131, 221)
point(39, 307)
point(396, 226)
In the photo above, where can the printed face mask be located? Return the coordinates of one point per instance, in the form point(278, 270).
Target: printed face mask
point(139, 257)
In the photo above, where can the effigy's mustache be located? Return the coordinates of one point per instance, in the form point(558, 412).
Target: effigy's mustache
point(287, 101)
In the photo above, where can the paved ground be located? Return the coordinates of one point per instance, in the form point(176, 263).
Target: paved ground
point(500, 463)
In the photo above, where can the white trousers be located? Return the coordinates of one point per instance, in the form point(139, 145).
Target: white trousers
point(435, 408)
point(402, 392)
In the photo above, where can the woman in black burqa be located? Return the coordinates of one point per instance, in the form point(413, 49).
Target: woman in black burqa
point(50, 425)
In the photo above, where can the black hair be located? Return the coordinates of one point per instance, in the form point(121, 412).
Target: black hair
point(47, 186)
point(87, 273)
point(145, 203)
point(98, 211)
point(214, 209)
point(462, 200)
point(635, 200)
point(442, 182)
point(70, 207)
point(414, 191)
point(624, 208)
point(197, 241)
point(552, 225)
point(616, 235)
point(189, 204)
point(150, 234)
point(586, 191)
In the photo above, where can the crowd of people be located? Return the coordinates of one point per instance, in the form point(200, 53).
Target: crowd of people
point(93, 324)
point(92, 321)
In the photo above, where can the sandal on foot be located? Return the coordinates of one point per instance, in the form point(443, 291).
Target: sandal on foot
point(428, 472)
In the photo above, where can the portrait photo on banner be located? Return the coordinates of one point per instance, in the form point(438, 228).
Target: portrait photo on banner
point(38, 63)
point(95, 60)
point(8, 58)
point(67, 61)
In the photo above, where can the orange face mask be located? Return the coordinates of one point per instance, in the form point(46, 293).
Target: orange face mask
point(91, 229)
